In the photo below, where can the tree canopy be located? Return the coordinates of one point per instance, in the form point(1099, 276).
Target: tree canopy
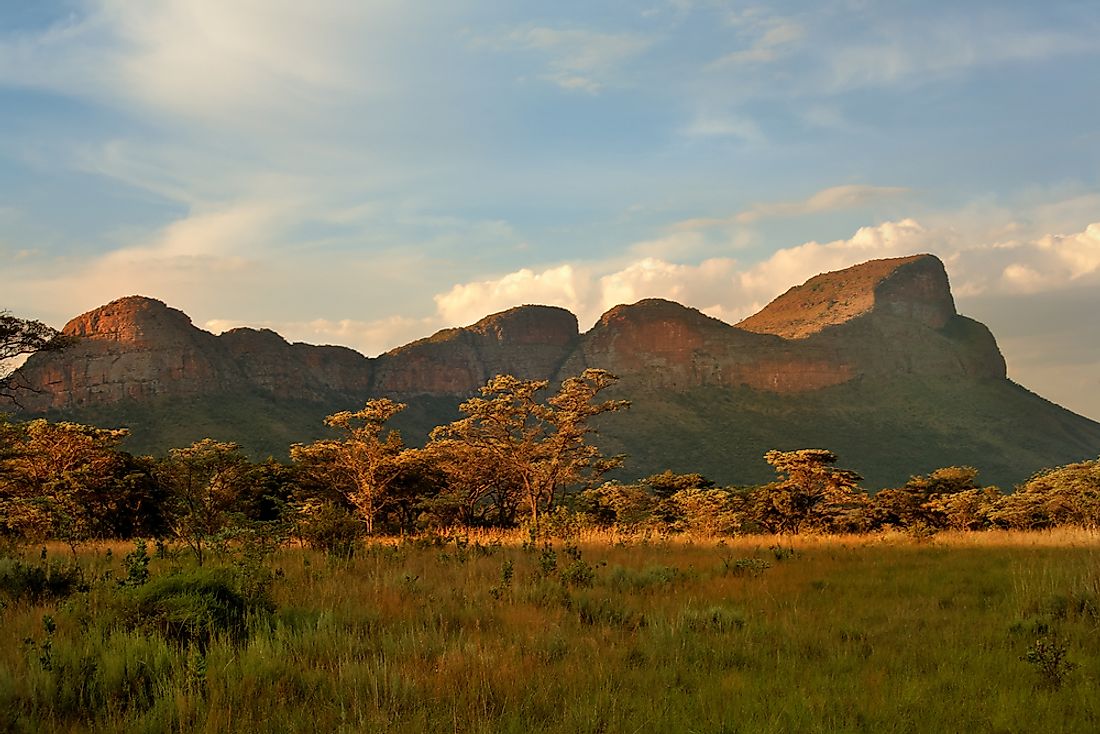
point(20, 338)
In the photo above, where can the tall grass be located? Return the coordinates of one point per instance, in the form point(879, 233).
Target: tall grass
point(821, 635)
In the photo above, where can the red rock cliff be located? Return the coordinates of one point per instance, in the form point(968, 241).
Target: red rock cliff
point(884, 317)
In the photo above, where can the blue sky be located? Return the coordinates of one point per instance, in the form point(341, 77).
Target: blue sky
point(364, 173)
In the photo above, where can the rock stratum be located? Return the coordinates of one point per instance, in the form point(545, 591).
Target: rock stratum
point(873, 361)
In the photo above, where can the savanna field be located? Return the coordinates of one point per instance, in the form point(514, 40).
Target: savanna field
point(981, 632)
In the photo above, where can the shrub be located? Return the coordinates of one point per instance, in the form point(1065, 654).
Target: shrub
point(1048, 656)
point(712, 619)
point(744, 566)
point(192, 608)
point(330, 528)
point(623, 579)
point(37, 582)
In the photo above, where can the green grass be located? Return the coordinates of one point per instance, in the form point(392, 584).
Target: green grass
point(845, 635)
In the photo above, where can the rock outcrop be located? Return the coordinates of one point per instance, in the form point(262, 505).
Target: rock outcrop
point(885, 317)
point(530, 342)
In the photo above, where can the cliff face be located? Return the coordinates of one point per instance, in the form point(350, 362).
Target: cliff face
point(132, 348)
point(882, 318)
point(530, 342)
point(138, 348)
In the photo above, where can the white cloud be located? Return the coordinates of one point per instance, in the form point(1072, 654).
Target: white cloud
point(834, 198)
point(370, 338)
point(719, 286)
point(927, 50)
point(221, 62)
point(465, 303)
point(727, 289)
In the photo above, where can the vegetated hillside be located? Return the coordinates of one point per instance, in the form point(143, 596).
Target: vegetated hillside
point(872, 362)
point(887, 430)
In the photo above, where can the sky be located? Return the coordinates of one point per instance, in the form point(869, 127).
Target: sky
point(365, 173)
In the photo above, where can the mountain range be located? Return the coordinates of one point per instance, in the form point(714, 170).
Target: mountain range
point(873, 362)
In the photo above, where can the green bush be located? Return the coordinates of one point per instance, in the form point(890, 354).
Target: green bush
point(21, 581)
point(193, 607)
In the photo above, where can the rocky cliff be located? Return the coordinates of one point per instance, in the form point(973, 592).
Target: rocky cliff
point(885, 317)
point(872, 361)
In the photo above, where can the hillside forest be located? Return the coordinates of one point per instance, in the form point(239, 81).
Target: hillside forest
point(514, 459)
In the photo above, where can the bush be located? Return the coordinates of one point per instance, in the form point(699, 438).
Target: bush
point(744, 566)
point(37, 582)
point(712, 619)
point(601, 611)
point(194, 607)
point(1048, 656)
point(330, 528)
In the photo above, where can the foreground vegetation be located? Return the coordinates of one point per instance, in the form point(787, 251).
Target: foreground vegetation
point(968, 632)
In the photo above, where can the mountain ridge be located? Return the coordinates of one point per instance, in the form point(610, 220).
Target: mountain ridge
point(860, 333)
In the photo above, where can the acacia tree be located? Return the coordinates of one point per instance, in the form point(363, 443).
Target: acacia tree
point(474, 488)
point(20, 338)
point(204, 484)
point(539, 448)
point(811, 493)
point(57, 479)
point(362, 465)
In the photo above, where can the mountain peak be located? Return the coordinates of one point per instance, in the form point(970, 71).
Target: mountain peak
point(530, 324)
point(914, 288)
point(129, 320)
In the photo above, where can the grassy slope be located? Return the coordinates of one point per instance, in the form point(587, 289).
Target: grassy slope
point(852, 636)
point(885, 430)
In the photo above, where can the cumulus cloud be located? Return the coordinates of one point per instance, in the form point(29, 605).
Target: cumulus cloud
point(731, 290)
point(367, 337)
point(564, 286)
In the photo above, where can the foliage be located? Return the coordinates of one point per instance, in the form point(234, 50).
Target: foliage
point(1048, 656)
point(194, 607)
point(204, 483)
point(535, 449)
point(1066, 495)
point(20, 338)
point(811, 494)
point(22, 581)
point(328, 527)
point(364, 464)
point(62, 480)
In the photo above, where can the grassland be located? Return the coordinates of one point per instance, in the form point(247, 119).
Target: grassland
point(755, 634)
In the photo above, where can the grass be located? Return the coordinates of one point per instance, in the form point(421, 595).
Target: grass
point(844, 634)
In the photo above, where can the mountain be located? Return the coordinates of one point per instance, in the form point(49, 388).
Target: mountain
point(873, 362)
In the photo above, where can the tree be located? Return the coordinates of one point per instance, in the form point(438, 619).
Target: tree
point(539, 448)
point(811, 493)
point(204, 483)
point(20, 338)
point(59, 479)
point(363, 464)
point(473, 488)
point(927, 499)
point(1065, 495)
